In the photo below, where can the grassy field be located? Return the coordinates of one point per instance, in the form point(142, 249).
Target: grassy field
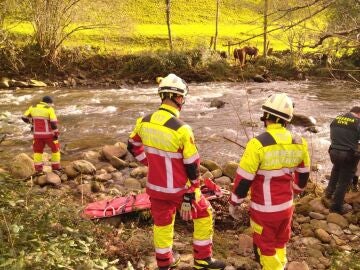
point(193, 25)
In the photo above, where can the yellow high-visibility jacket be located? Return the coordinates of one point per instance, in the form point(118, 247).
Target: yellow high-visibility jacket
point(275, 164)
point(166, 145)
point(43, 118)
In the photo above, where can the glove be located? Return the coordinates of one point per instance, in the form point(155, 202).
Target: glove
point(235, 211)
point(56, 135)
point(187, 206)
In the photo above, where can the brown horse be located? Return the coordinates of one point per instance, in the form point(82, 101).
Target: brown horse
point(252, 51)
point(243, 52)
point(240, 54)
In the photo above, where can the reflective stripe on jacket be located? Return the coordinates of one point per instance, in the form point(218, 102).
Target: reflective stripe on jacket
point(275, 164)
point(42, 117)
point(166, 145)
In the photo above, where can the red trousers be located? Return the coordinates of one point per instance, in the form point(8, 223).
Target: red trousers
point(270, 234)
point(163, 213)
point(38, 148)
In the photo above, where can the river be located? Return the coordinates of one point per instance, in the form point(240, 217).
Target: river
point(91, 118)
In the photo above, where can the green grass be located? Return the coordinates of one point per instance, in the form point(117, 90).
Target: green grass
point(193, 25)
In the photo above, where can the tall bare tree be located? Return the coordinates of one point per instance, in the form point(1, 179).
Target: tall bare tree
point(266, 9)
point(168, 22)
point(216, 23)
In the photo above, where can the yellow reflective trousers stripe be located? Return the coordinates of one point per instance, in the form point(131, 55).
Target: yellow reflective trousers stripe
point(270, 262)
point(163, 235)
point(281, 254)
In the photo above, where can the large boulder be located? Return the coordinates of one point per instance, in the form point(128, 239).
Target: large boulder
point(84, 167)
point(22, 166)
point(139, 172)
point(337, 219)
point(230, 169)
point(217, 103)
point(210, 165)
point(118, 163)
point(132, 183)
point(4, 82)
point(303, 121)
point(36, 83)
point(108, 151)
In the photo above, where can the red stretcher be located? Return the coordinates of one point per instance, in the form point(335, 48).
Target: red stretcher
point(132, 203)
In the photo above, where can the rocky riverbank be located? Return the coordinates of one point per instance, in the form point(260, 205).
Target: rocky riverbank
point(320, 240)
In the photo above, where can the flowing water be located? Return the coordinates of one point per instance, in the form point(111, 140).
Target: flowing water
point(90, 118)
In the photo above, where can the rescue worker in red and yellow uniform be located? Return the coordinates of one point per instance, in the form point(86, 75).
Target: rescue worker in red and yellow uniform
point(166, 145)
point(43, 119)
point(275, 165)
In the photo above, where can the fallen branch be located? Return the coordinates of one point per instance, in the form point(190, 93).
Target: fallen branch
point(230, 140)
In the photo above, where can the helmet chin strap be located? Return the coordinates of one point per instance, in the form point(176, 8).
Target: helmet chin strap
point(178, 104)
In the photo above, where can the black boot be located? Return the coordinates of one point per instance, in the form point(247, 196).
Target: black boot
point(209, 263)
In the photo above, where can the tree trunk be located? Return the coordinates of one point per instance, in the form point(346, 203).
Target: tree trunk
point(168, 13)
point(266, 7)
point(217, 23)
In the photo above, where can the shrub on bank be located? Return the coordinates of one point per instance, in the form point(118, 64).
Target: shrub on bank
point(198, 65)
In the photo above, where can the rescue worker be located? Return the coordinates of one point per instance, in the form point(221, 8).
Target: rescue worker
point(166, 145)
point(43, 119)
point(275, 165)
point(344, 153)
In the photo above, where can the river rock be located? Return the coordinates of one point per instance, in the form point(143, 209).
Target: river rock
point(139, 172)
point(316, 215)
point(132, 183)
point(118, 177)
point(352, 197)
point(104, 177)
point(310, 241)
point(97, 187)
point(302, 120)
point(112, 150)
point(84, 189)
point(210, 165)
point(19, 84)
point(317, 206)
point(124, 152)
point(302, 219)
point(318, 224)
point(36, 83)
point(118, 163)
point(22, 166)
point(230, 169)
point(216, 173)
point(337, 219)
point(41, 180)
point(4, 82)
point(70, 171)
point(245, 243)
point(334, 229)
point(260, 78)
point(203, 169)
point(207, 174)
point(339, 241)
point(223, 181)
point(297, 266)
point(53, 179)
point(84, 166)
point(322, 235)
point(217, 103)
point(92, 156)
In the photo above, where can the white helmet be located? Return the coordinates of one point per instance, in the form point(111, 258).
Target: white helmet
point(279, 105)
point(172, 84)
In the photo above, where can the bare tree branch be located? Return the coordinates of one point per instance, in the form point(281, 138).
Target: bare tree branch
point(335, 34)
point(285, 28)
